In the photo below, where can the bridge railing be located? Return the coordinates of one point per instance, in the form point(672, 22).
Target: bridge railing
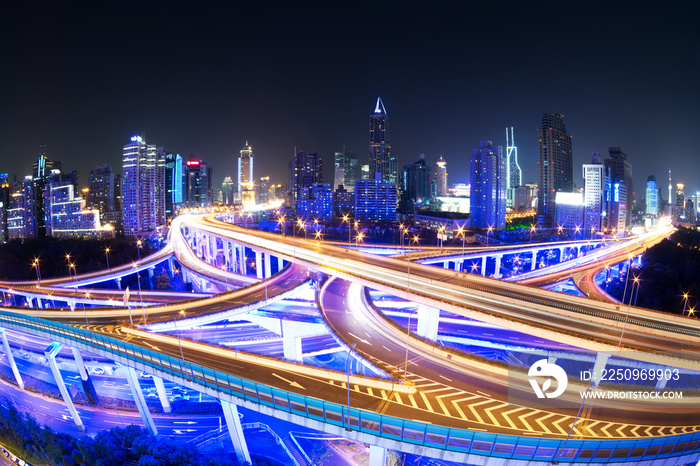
point(379, 425)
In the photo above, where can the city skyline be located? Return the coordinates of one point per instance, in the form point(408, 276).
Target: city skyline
point(73, 91)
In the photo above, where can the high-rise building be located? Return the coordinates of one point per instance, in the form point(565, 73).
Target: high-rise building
point(488, 186)
point(381, 160)
point(621, 171)
point(343, 202)
point(319, 204)
point(569, 211)
point(101, 189)
point(339, 169)
point(143, 188)
point(227, 189)
point(441, 177)
point(262, 190)
point(246, 182)
point(690, 211)
point(679, 209)
point(4, 206)
point(375, 201)
point(415, 184)
point(22, 213)
point(652, 201)
point(197, 190)
point(41, 169)
point(174, 183)
point(555, 166)
point(595, 188)
point(352, 171)
point(304, 170)
point(515, 174)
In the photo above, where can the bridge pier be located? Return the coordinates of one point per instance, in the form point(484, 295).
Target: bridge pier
point(242, 269)
point(79, 362)
point(483, 266)
point(377, 456)
point(150, 274)
point(50, 354)
point(428, 322)
point(268, 265)
point(140, 401)
point(258, 265)
point(171, 266)
point(497, 270)
point(601, 360)
point(162, 394)
point(291, 339)
point(119, 282)
point(11, 359)
point(71, 305)
point(661, 383)
point(533, 265)
point(280, 264)
point(233, 422)
point(29, 300)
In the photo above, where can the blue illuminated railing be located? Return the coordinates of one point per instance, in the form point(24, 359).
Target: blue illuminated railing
point(380, 425)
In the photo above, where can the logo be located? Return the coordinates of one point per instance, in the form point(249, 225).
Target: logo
point(542, 368)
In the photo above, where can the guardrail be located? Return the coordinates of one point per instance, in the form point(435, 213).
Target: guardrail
point(367, 422)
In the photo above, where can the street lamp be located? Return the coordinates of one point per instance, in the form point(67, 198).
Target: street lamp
point(460, 231)
point(348, 367)
point(35, 264)
point(107, 257)
point(533, 228)
point(138, 249)
point(685, 305)
point(629, 305)
point(358, 238)
point(488, 233)
point(629, 266)
point(346, 219)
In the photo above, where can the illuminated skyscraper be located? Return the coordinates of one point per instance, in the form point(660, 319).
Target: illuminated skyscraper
point(652, 200)
point(304, 170)
point(246, 182)
point(621, 171)
point(21, 214)
point(415, 184)
point(41, 169)
point(197, 190)
point(488, 186)
point(227, 191)
point(143, 187)
point(595, 187)
point(174, 183)
point(555, 166)
point(679, 209)
point(441, 177)
point(381, 160)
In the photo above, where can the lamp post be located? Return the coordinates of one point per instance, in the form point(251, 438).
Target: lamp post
point(629, 305)
point(533, 228)
point(69, 266)
point(87, 296)
point(107, 257)
point(488, 234)
point(346, 220)
point(685, 305)
point(629, 266)
point(35, 264)
point(348, 367)
point(138, 249)
point(461, 232)
point(408, 326)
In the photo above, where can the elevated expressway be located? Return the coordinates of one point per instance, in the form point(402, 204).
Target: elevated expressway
point(413, 416)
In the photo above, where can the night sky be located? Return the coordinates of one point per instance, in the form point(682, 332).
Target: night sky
point(197, 79)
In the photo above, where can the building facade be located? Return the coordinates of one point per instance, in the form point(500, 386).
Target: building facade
point(375, 201)
point(304, 170)
point(595, 188)
point(488, 187)
point(555, 166)
point(197, 189)
point(441, 177)
point(415, 184)
point(381, 160)
point(143, 189)
point(246, 182)
point(651, 211)
point(621, 172)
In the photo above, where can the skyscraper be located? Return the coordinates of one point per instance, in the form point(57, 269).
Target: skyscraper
point(304, 170)
point(262, 190)
point(101, 189)
point(441, 177)
point(375, 201)
point(174, 182)
point(227, 191)
point(22, 214)
point(381, 160)
point(595, 186)
point(41, 169)
point(679, 209)
point(415, 184)
point(246, 182)
point(197, 190)
point(143, 188)
point(488, 186)
point(652, 200)
point(555, 165)
point(621, 171)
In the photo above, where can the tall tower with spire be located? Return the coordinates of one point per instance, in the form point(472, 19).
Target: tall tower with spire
point(381, 160)
point(441, 177)
point(245, 175)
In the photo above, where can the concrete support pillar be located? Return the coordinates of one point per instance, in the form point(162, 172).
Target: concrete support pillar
point(428, 322)
point(11, 359)
point(119, 282)
point(233, 422)
point(446, 265)
point(601, 360)
point(280, 264)
point(533, 266)
point(171, 266)
point(497, 270)
point(259, 265)
point(661, 383)
point(71, 305)
point(162, 394)
point(377, 456)
point(561, 254)
point(483, 266)
point(140, 401)
point(241, 260)
point(551, 360)
point(213, 249)
point(79, 362)
point(291, 341)
point(150, 274)
point(268, 265)
point(30, 301)
point(39, 304)
point(227, 255)
point(50, 354)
